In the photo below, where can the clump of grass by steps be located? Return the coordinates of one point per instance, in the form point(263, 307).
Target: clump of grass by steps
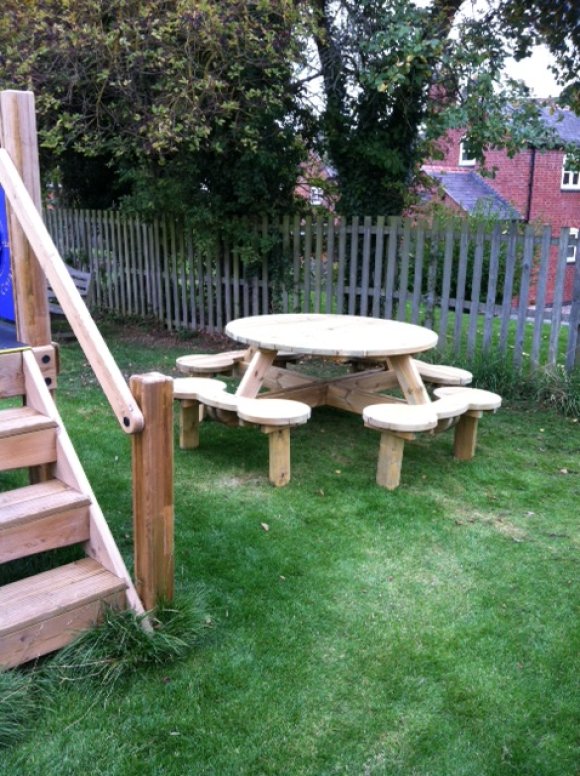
point(120, 645)
point(99, 660)
point(18, 705)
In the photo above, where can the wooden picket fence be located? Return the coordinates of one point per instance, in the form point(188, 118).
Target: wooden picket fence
point(478, 287)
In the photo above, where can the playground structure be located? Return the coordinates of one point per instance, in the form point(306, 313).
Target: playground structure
point(43, 612)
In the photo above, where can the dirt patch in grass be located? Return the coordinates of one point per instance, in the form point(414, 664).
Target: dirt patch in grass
point(150, 333)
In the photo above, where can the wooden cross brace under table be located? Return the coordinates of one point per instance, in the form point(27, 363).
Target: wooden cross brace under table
point(351, 392)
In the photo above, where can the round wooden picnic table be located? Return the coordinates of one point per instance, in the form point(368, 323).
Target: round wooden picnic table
point(345, 336)
point(319, 334)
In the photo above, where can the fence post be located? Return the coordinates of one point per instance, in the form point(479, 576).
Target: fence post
point(573, 349)
point(153, 489)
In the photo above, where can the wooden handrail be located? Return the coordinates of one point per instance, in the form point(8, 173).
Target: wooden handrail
point(90, 339)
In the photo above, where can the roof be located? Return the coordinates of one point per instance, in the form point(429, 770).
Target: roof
point(564, 122)
point(473, 194)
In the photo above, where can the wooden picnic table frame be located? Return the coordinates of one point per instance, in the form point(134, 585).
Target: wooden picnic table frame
point(390, 346)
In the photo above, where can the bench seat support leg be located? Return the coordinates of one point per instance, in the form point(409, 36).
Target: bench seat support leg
point(189, 418)
point(465, 439)
point(390, 460)
point(279, 455)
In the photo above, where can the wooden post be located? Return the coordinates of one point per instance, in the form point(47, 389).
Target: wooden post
point(390, 460)
point(279, 455)
point(153, 489)
point(465, 439)
point(18, 137)
point(189, 419)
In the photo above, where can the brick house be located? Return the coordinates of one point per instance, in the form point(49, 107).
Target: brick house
point(533, 186)
point(316, 183)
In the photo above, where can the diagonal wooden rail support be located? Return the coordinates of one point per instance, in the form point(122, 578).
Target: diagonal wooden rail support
point(85, 329)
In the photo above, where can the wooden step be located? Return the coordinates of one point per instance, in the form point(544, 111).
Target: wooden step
point(47, 611)
point(27, 438)
point(41, 517)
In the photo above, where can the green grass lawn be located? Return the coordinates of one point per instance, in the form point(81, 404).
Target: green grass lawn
point(429, 631)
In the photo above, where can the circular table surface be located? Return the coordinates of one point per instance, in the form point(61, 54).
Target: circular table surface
point(332, 335)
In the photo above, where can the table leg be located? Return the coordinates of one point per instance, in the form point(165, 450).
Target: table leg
point(189, 418)
point(253, 378)
point(409, 379)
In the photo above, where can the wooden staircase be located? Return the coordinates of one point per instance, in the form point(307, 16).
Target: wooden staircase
point(45, 611)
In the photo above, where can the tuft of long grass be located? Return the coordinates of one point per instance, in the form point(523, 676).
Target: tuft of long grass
point(99, 660)
point(551, 387)
point(120, 645)
point(18, 706)
point(561, 390)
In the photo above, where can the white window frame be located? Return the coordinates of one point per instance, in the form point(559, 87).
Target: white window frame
point(572, 249)
point(465, 161)
point(570, 179)
point(316, 195)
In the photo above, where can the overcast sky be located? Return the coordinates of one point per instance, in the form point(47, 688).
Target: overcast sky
point(534, 71)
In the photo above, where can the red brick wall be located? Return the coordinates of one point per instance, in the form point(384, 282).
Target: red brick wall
point(546, 204)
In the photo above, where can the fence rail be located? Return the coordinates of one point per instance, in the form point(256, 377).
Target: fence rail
point(507, 289)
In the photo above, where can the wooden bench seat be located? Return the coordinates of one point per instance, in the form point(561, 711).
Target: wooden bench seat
point(209, 364)
point(441, 374)
point(478, 401)
point(82, 281)
point(230, 362)
point(275, 417)
point(398, 423)
point(187, 390)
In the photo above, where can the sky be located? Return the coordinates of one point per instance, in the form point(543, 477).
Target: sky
point(535, 73)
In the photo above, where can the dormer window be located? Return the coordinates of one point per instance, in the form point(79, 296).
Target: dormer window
point(465, 160)
point(570, 178)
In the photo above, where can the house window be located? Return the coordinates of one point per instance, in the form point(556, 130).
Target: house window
point(316, 195)
point(570, 178)
point(465, 160)
point(572, 246)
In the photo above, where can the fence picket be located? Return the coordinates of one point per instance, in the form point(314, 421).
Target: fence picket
point(404, 272)
point(573, 344)
point(329, 267)
point(378, 266)
point(541, 284)
point(460, 288)
point(366, 260)
point(418, 273)
point(475, 290)
point(524, 291)
point(352, 285)
point(446, 285)
point(508, 288)
point(558, 295)
point(390, 274)
point(341, 270)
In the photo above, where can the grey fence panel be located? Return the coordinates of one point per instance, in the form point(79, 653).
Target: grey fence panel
point(480, 288)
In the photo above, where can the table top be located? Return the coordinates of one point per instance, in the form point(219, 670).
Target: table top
point(332, 335)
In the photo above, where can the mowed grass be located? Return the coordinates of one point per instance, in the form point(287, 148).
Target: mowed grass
point(432, 630)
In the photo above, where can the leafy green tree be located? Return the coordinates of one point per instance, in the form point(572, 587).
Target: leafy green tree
point(189, 105)
point(397, 74)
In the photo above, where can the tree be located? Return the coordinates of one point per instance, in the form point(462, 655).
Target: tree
point(396, 75)
point(189, 105)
